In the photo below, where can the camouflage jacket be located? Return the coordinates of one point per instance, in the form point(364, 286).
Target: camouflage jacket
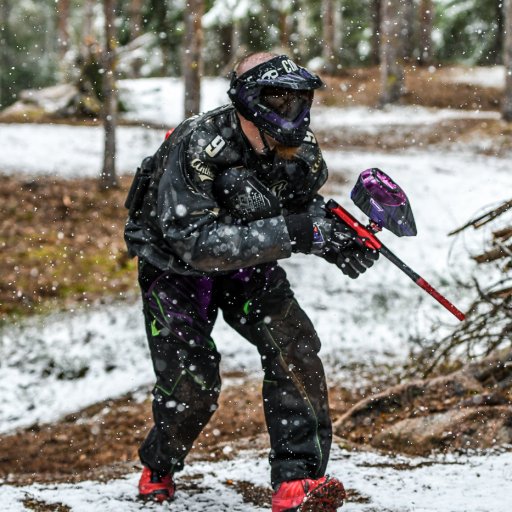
point(179, 225)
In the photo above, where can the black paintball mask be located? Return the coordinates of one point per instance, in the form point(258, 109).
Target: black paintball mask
point(276, 96)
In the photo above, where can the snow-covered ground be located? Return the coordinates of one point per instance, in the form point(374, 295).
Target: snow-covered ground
point(480, 483)
point(361, 323)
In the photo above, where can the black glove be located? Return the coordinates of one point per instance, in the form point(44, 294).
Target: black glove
point(243, 196)
point(352, 260)
point(332, 240)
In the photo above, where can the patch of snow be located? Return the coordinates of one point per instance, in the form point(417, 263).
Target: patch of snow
point(54, 366)
point(225, 11)
point(492, 76)
point(71, 151)
point(373, 120)
point(161, 100)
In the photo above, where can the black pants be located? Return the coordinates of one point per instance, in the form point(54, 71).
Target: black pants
point(180, 312)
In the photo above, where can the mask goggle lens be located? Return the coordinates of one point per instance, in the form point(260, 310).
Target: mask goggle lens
point(288, 104)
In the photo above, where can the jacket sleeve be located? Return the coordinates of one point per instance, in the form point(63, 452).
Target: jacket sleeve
point(188, 216)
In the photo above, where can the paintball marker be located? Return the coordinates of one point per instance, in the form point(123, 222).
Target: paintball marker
point(387, 206)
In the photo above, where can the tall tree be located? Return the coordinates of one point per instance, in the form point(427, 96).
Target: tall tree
point(328, 37)
point(87, 26)
point(285, 23)
point(375, 40)
point(408, 30)
point(62, 26)
point(108, 177)
point(302, 16)
point(5, 8)
point(426, 20)
point(507, 58)
point(136, 18)
point(192, 58)
point(392, 51)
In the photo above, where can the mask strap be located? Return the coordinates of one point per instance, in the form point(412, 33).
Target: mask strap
point(232, 79)
point(267, 148)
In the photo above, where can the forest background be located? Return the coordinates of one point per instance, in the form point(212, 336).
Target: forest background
point(45, 41)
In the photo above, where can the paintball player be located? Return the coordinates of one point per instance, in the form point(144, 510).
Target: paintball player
point(228, 194)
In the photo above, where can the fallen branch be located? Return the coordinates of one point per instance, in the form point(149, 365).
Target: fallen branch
point(484, 218)
point(494, 254)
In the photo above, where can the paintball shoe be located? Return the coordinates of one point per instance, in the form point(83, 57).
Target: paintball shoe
point(322, 495)
point(156, 487)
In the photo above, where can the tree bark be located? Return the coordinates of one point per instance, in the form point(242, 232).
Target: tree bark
point(284, 29)
point(62, 26)
point(192, 59)
point(392, 51)
point(108, 177)
point(5, 59)
point(426, 19)
point(237, 46)
point(338, 32)
point(88, 22)
point(408, 30)
point(328, 36)
point(507, 59)
point(302, 16)
point(135, 18)
point(375, 40)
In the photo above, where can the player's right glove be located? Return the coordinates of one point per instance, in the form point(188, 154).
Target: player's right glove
point(332, 240)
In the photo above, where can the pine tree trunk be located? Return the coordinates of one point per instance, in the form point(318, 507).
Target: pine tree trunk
point(284, 30)
point(338, 32)
point(135, 18)
point(62, 26)
point(375, 40)
point(236, 37)
point(108, 177)
point(328, 49)
point(88, 21)
point(302, 17)
point(495, 55)
point(408, 30)
point(5, 60)
point(426, 15)
point(392, 51)
point(237, 47)
point(192, 59)
point(507, 59)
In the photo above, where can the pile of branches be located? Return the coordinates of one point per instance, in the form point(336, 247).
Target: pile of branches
point(488, 327)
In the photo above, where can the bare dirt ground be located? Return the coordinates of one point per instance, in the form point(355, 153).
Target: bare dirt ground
point(53, 230)
point(427, 87)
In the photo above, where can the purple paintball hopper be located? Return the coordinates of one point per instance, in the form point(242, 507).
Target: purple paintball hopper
point(384, 202)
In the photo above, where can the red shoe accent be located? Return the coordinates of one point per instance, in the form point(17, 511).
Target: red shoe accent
point(324, 494)
point(155, 487)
